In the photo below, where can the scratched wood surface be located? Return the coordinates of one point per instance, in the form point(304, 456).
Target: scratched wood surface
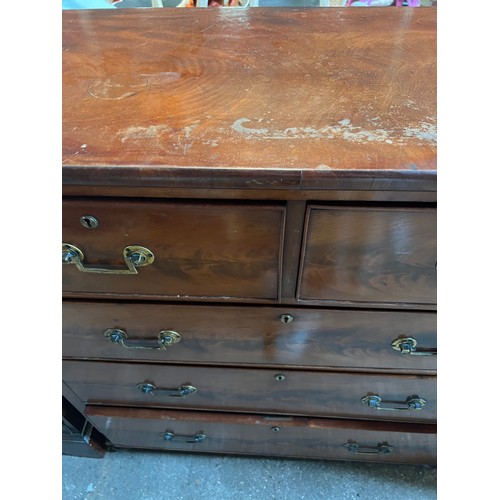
point(359, 255)
point(261, 435)
point(252, 390)
point(325, 338)
point(297, 92)
point(216, 251)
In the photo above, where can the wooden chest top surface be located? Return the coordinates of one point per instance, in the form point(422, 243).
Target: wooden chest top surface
point(318, 91)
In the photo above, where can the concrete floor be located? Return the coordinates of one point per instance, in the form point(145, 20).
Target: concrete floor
point(140, 475)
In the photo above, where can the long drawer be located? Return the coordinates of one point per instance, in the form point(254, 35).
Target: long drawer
point(204, 250)
point(369, 255)
point(248, 335)
point(329, 394)
point(265, 435)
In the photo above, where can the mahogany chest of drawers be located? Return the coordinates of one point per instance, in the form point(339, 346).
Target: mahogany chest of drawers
point(249, 230)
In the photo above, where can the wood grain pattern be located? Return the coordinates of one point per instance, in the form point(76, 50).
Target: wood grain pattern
point(354, 340)
point(248, 194)
point(294, 228)
point(304, 95)
point(210, 136)
point(370, 255)
point(251, 390)
point(263, 436)
point(214, 250)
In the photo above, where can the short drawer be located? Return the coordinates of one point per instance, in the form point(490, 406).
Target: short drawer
point(369, 255)
point(254, 390)
point(201, 250)
point(250, 335)
point(265, 435)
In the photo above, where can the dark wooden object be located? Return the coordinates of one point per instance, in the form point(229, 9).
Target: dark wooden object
point(203, 250)
point(370, 255)
point(302, 92)
point(286, 184)
point(79, 438)
point(242, 389)
point(266, 435)
point(322, 338)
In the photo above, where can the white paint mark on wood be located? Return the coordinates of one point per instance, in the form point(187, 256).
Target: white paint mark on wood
point(151, 132)
point(427, 132)
point(187, 134)
point(240, 128)
point(343, 129)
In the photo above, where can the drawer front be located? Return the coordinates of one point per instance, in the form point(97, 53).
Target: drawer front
point(251, 390)
point(265, 436)
point(200, 250)
point(248, 335)
point(369, 255)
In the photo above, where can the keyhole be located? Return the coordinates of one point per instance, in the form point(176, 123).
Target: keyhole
point(286, 318)
point(89, 221)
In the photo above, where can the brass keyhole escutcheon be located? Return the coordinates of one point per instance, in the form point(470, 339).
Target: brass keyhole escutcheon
point(286, 318)
point(89, 221)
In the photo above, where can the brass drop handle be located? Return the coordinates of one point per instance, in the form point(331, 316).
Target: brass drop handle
point(412, 403)
point(179, 392)
point(380, 449)
point(199, 437)
point(134, 256)
point(164, 339)
point(408, 345)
